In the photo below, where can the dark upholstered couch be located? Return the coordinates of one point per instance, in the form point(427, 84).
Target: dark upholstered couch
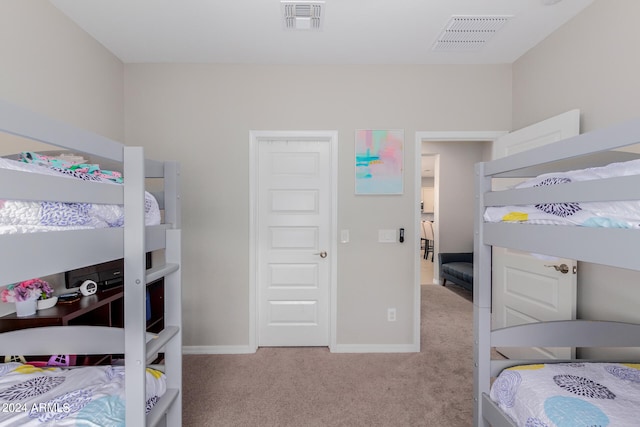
point(457, 268)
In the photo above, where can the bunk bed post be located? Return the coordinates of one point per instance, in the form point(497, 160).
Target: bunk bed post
point(172, 213)
point(173, 316)
point(173, 289)
point(134, 286)
point(481, 300)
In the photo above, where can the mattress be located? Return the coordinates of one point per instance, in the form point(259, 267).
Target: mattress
point(618, 214)
point(570, 394)
point(19, 216)
point(87, 396)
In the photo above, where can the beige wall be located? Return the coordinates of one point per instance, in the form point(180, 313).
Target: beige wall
point(202, 115)
point(49, 65)
point(590, 64)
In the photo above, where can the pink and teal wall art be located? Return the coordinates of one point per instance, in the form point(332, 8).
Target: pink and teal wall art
point(379, 161)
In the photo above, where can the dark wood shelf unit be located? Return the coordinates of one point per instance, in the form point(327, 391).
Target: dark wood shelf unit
point(104, 308)
point(155, 323)
point(95, 309)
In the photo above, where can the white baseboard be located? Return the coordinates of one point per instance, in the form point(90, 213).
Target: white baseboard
point(375, 348)
point(217, 349)
point(339, 348)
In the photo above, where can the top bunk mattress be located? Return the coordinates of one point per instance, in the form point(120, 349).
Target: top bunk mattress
point(617, 214)
point(22, 216)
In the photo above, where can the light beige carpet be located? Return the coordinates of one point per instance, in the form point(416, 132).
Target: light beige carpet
point(313, 387)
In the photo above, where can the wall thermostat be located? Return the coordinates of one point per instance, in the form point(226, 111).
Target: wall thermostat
point(88, 287)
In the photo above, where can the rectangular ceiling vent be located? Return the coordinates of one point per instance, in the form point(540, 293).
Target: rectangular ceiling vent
point(302, 15)
point(469, 33)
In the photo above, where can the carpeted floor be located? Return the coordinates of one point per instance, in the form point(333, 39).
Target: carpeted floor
point(313, 387)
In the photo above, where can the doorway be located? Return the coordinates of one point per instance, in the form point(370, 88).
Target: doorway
point(428, 173)
point(293, 204)
point(452, 243)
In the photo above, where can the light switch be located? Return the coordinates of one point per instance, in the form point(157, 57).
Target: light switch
point(344, 236)
point(387, 236)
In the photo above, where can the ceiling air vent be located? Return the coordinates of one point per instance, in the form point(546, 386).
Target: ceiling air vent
point(302, 15)
point(468, 33)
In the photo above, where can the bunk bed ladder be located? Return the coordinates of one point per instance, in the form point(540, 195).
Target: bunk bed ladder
point(137, 353)
point(170, 338)
point(172, 303)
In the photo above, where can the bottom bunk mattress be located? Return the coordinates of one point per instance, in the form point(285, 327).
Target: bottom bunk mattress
point(570, 394)
point(86, 396)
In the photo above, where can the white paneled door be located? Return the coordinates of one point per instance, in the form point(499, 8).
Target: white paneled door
point(529, 288)
point(294, 242)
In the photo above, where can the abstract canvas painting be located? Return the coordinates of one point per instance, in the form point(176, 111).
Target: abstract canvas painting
point(379, 161)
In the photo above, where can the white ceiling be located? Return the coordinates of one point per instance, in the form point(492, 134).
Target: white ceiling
point(354, 31)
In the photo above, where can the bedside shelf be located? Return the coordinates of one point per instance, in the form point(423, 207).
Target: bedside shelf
point(105, 308)
point(97, 306)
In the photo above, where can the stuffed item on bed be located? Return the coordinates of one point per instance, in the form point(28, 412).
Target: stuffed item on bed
point(17, 216)
point(570, 394)
point(72, 165)
point(622, 214)
point(87, 396)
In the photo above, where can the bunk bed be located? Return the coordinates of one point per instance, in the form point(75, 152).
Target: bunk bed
point(616, 246)
point(38, 253)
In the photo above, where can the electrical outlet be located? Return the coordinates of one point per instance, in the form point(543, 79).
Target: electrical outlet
point(391, 314)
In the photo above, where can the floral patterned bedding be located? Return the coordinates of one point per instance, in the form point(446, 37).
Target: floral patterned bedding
point(619, 214)
point(87, 396)
point(18, 216)
point(570, 394)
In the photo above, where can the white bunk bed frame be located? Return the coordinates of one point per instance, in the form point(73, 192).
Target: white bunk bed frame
point(616, 247)
point(25, 256)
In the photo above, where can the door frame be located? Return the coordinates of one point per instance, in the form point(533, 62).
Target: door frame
point(255, 138)
point(426, 136)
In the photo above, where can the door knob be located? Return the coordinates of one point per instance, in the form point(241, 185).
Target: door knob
point(562, 268)
point(322, 254)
